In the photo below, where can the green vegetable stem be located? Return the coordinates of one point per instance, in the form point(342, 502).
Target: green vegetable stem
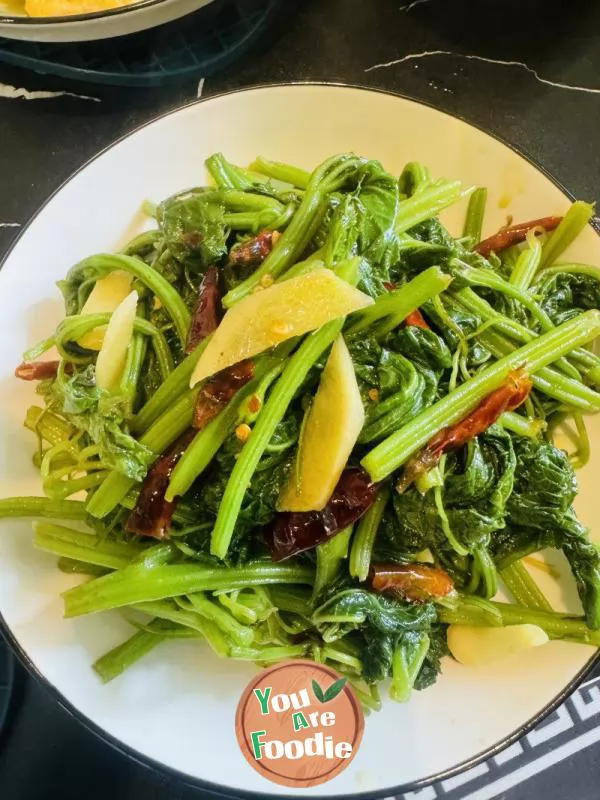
point(330, 556)
point(408, 658)
point(42, 507)
point(395, 306)
point(332, 174)
point(85, 547)
point(208, 441)
point(125, 655)
point(523, 588)
point(394, 451)
point(527, 264)
point(427, 203)
point(282, 172)
point(557, 626)
point(572, 224)
point(364, 538)
point(138, 584)
point(170, 390)
point(475, 215)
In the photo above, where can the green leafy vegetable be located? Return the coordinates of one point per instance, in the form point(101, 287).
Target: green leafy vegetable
point(378, 193)
point(477, 485)
point(404, 370)
point(564, 295)
point(540, 514)
point(377, 620)
point(446, 330)
point(193, 226)
point(101, 416)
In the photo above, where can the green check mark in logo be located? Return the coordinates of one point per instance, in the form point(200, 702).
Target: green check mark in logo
point(330, 693)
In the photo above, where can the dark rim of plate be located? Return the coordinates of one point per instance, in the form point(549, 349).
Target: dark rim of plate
point(219, 789)
point(7, 678)
point(136, 5)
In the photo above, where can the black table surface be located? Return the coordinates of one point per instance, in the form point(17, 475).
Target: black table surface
point(527, 70)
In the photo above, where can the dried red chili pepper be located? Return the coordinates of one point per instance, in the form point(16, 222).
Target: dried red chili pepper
point(254, 251)
point(416, 319)
point(296, 531)
point(506, 398)
point(153, 514)
point(37, 370)
point(415, 582)
point(514, 234)
point(208, 311)
point(219, 390)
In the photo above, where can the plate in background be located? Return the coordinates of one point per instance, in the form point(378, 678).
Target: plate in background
point(176, 708)
point(138, 16)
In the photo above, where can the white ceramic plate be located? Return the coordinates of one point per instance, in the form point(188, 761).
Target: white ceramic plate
point(139, 16)
point(176, 708)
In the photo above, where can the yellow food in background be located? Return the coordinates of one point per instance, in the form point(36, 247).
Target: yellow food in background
point(330, 432)
point(65, 8)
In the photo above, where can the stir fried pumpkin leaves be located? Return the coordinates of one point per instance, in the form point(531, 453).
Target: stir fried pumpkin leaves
point(379, 196)
point(416, 661)
point(258, 508)
point(477, 484)
point(545, 487)
point(433, 232)
point(344, 228)
point(361, 222)
point(376, 623)
point(327, 216)
point(193, 226)
point(429, 245)
point(584, 559)
point(564, 295)
point(100, 415)
point(441, 467)
point(457, 328)
point(487, 478)
point(392, 257)
point(380, 258)
point(424, 347)
point(432, 664)
point(539, 514)
point(403, 372)
point(404, 392)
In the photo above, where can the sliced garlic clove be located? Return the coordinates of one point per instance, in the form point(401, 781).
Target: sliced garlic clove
point(478, 646)
point(113, 354)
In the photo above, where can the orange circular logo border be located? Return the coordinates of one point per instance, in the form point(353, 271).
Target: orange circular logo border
point(298, 774)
